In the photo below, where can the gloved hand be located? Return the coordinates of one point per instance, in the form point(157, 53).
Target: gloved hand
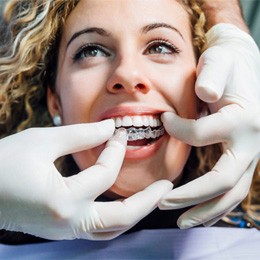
point(229, 80)
point(36, 199)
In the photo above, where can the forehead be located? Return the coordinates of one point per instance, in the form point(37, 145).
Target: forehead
point(126, 15)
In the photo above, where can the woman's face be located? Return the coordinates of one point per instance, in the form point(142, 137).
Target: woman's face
point(130, 60)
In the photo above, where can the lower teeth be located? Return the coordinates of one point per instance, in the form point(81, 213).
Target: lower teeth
point(134, 134)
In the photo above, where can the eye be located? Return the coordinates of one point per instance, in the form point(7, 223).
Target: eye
point(90, 51)
point(161, 46)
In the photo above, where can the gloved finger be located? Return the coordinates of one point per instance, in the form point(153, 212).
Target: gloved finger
point(223, 177)
point(98, 178)
point(216, 219)
point(193, 217)
point(214, 128)
point(105, 235)
point(122, 215)
point(213, 209)
point(213, 69)
point(73, 138)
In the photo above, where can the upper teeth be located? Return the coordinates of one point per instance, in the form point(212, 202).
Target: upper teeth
point(137, 121)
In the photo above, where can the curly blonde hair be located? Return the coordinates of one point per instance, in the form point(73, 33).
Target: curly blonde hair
point(28, 60)
point(34, 29)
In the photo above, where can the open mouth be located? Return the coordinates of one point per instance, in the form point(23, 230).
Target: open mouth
point(142, 130)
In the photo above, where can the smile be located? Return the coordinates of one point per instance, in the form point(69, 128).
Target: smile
point(146, 135)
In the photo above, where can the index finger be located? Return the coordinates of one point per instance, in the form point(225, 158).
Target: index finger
point(223, 177)
point(95, 180)
point(122, 215)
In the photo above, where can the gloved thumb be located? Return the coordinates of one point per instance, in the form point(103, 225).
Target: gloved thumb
point(212, 72)
point(74, 138)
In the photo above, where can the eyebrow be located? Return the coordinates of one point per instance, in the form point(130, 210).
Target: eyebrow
point(103, 32)
point(154, 26)
point(97, 30)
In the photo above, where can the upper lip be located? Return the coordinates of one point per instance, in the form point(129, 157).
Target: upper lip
point(121, 111)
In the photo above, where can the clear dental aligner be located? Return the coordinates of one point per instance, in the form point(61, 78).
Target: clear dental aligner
point(134, 134)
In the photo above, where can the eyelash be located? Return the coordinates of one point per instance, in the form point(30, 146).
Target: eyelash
point(87, 47)
point(158, 42)
point(165, 42)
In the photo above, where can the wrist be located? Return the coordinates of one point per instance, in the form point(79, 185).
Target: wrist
point(222, 11)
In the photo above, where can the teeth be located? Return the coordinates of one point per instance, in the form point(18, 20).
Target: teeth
point(145, 121)
point(118, 122)
point(137, 121)
point(151, 121)
point(127, 121)
point(140, 127)
point(134, 134)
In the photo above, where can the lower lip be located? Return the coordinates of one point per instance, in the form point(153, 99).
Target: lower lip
point(145, 151)
point(141, 153)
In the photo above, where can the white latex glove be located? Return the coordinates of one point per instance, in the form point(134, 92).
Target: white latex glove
point(36, 199)
point(228, 79)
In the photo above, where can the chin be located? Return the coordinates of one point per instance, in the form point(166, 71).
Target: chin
point(142, 166)
point(131, 181)
point(126, 189)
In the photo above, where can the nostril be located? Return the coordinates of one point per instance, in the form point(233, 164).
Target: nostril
point(117, 86)
point(131, 88)
point(140, 86)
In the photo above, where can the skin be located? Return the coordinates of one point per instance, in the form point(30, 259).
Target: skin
point(134, 74)
point(222, 11)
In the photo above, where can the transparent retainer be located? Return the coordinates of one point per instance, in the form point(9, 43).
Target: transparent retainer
point(134, 134)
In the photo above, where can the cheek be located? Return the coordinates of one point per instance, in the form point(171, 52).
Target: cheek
point(185, 99)
point(79, 92)
point(176, 156)
point(85, 159)
point(178, 88)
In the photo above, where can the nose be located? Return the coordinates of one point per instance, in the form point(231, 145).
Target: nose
point(128, 76)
